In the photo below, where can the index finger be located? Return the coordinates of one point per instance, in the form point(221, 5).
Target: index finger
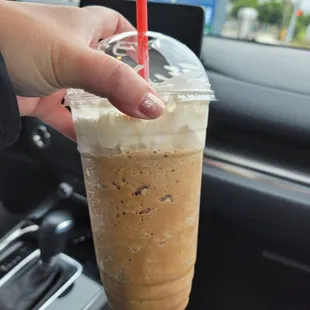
point(110, 22)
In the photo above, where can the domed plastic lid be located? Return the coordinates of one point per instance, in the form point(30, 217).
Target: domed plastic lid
point(173, 67)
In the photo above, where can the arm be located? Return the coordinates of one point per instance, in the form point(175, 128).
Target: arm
point(9, 115)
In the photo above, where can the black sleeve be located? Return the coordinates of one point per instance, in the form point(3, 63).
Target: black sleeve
point(10, 122)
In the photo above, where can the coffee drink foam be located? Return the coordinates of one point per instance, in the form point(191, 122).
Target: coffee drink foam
point(182, 126)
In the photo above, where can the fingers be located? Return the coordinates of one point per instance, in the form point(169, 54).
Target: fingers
point(26, 105)
point(61, 119)
point(107, 77)
point(110, 22)
point(51, 111)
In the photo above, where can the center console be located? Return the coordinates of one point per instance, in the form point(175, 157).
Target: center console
point(43, 261)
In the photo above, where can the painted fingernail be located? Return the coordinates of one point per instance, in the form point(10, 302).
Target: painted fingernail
point(152, 106)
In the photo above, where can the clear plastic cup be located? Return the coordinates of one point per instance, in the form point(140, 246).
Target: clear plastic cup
point(143, 178)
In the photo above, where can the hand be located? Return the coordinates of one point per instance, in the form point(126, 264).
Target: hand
point(48, 48)
point(50, 110)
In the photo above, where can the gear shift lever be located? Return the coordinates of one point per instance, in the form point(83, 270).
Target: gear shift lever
point(30, 284)
point(53, 235)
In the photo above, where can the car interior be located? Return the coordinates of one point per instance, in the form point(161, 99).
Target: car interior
point(254, 235)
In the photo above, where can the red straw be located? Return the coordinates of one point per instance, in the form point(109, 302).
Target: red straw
point(142, 27)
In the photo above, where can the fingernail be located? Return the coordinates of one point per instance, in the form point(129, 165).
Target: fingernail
point(152, 106)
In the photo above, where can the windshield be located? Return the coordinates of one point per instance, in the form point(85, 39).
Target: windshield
point(277, 22)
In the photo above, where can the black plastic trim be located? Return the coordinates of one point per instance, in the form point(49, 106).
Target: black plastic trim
point(269, 206)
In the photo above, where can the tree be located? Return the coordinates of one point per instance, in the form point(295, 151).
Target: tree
point(243, 4)
point(271, 13)
point(301, 25)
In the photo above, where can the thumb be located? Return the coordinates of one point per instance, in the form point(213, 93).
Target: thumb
point(108, 77)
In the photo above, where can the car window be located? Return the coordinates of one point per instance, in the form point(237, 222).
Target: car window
point(277, 22)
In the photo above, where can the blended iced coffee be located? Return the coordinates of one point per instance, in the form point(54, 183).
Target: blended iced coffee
point(143, 182)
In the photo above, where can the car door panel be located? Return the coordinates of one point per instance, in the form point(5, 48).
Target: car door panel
point(257, 152)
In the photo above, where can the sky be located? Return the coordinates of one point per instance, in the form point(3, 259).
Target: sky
point(305, 5)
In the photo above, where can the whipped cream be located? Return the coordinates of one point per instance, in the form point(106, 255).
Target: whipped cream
point(104, 130)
